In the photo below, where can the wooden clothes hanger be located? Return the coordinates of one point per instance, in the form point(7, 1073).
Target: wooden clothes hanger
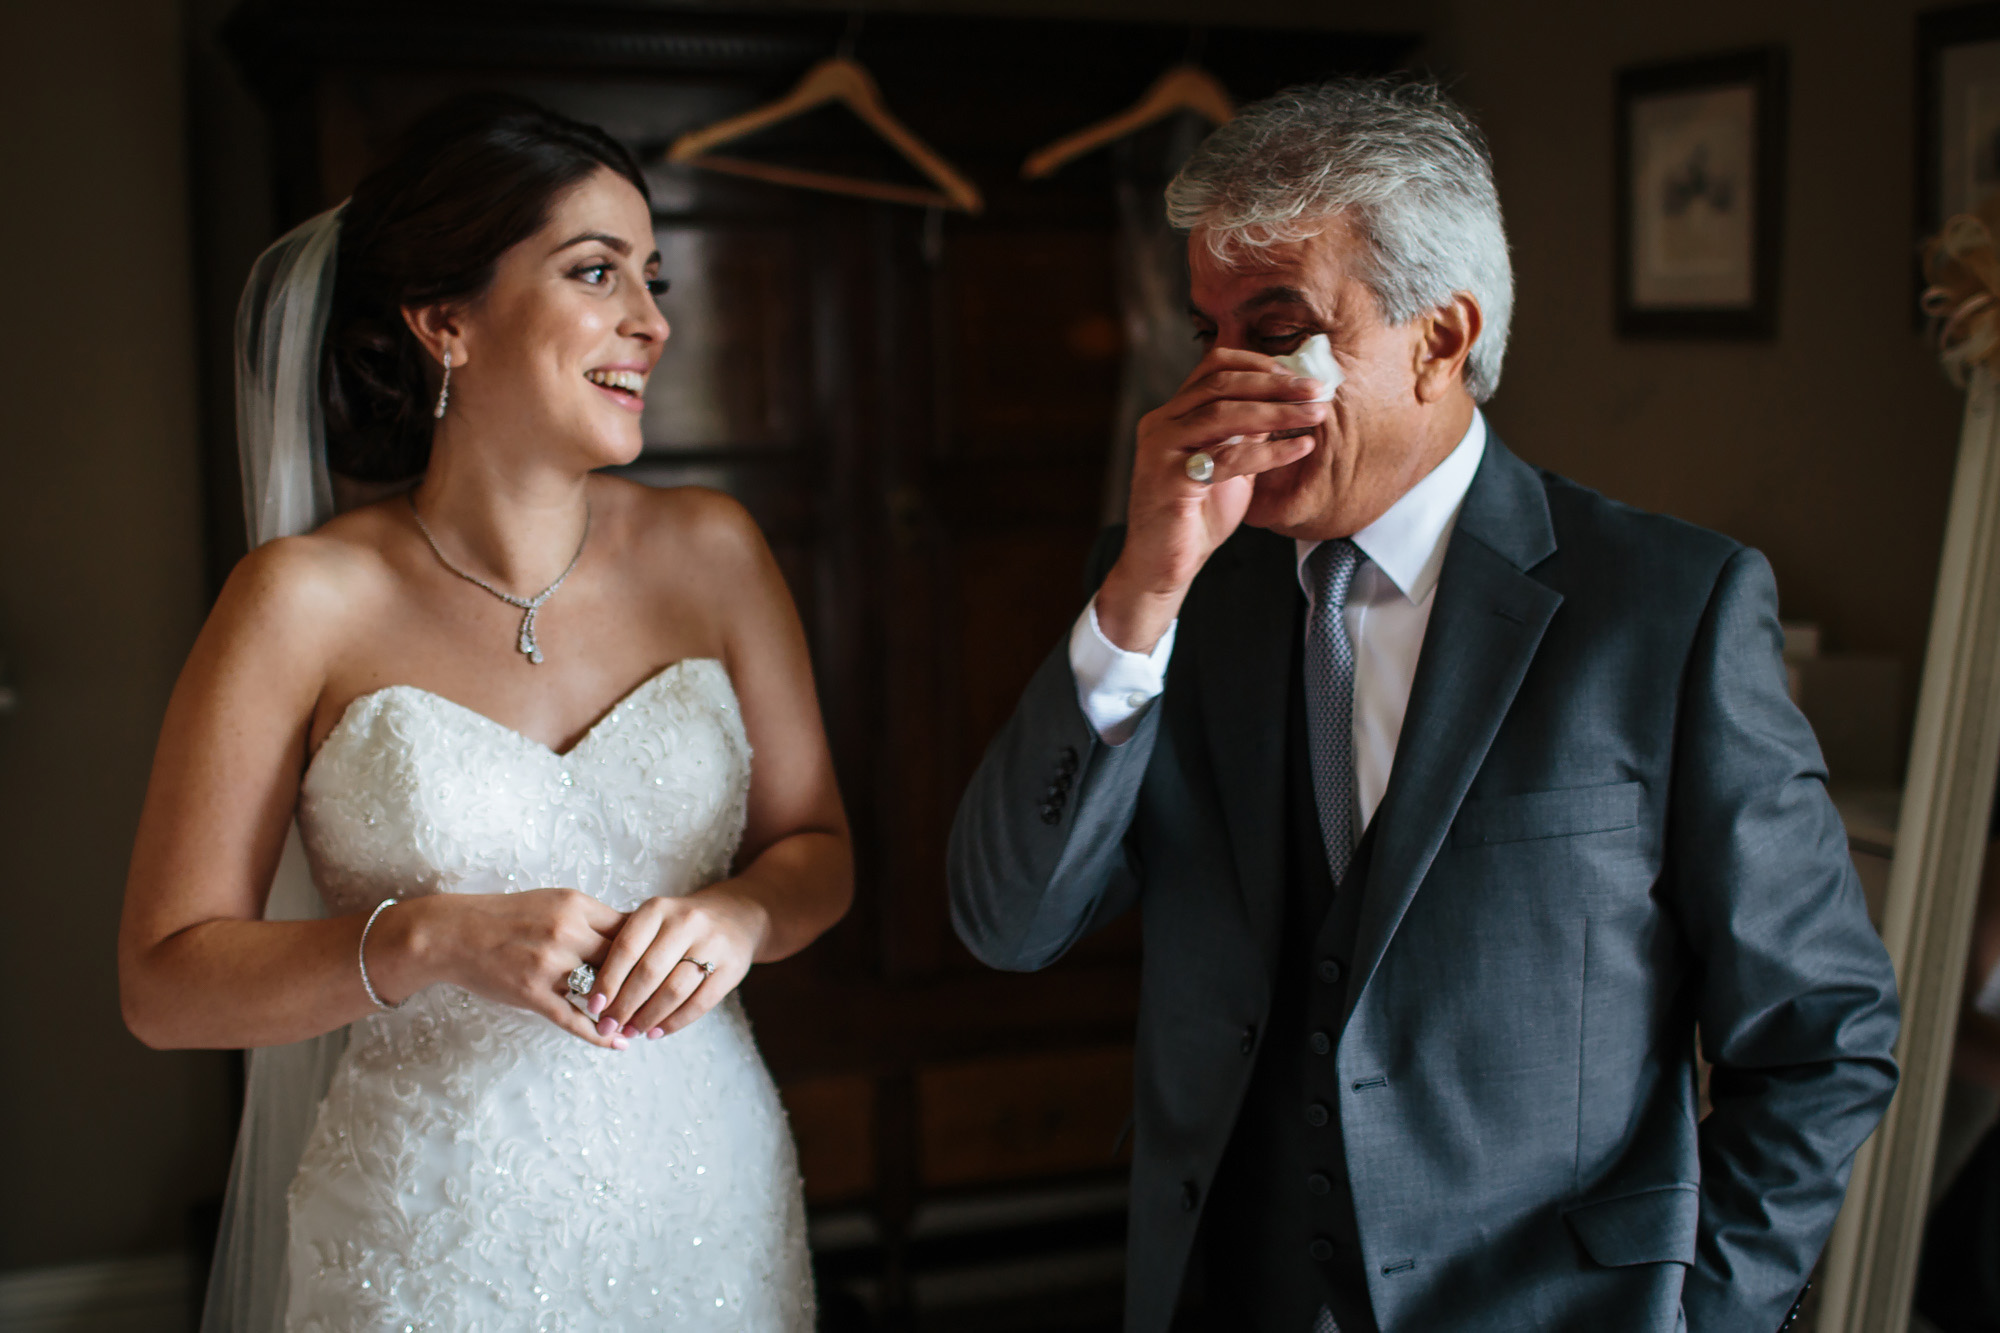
point(1185, 87)
point(836, 79)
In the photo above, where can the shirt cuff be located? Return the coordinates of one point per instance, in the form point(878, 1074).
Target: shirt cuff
point(1114, 687)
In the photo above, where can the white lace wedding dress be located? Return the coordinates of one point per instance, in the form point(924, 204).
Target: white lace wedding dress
point(476, 1169)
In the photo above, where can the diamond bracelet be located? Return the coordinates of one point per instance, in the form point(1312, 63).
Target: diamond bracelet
point(362, 956)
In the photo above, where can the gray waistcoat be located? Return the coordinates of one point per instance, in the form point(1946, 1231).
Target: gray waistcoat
point(1278, 1236)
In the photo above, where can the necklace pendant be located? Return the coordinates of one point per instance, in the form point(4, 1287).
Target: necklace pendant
point(526, 642)
point(529, 648)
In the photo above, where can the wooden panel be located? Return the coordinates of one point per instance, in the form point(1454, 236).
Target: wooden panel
point(1039, 1115)
point(736, 368)
point(1035, 343)
point(1018, 593)
point(833, 1120)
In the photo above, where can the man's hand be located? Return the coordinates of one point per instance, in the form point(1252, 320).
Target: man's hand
point(1228, 408)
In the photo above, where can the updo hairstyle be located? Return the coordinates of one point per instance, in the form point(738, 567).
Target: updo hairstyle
point(470, 180)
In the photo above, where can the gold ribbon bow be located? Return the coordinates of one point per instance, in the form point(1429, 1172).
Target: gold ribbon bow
point(1964, 296)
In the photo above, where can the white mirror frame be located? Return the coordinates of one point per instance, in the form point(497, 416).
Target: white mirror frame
point(1869, 1273)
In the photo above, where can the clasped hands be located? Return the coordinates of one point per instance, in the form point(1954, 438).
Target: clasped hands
point(519, 949)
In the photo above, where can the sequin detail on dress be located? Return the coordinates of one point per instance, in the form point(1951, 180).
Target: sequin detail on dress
point(475, 1168)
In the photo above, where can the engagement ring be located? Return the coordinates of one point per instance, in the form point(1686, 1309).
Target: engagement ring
point(707, 969)
point(581, 978)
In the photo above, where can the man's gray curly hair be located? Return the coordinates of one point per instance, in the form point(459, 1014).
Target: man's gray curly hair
point(1404, 164)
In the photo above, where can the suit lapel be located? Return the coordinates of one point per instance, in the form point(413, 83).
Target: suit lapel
point(1244, 660)
point(1486, 623)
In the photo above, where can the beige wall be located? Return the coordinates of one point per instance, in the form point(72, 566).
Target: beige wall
point(102, 1142)
point(1830, 448)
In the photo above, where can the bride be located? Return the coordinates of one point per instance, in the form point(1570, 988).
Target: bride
point(513, 710)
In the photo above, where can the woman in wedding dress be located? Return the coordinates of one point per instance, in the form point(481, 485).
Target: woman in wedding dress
point(513, 710)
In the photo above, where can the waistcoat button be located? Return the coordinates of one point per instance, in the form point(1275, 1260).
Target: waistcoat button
point(1319, 1183)
point(1320, 1042)
point(1316, 1115)
point(1329, 970)
point(1321, 1249)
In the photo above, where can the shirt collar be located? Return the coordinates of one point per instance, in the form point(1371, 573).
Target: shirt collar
point(1407, 542)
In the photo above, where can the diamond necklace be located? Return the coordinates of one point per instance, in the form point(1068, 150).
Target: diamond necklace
point(529, 605)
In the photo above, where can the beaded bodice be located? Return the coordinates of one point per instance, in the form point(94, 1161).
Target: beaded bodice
point(411, 794)
point(474, 1167)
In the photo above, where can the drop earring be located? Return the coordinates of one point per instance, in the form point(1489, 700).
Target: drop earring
point(444, 390)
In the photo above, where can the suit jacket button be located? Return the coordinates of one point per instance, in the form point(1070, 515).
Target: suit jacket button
point(1249, 1039)
point(1320, 1042)
point(1321, 1249)
point(1057, 790)
point(1329, 970)
point(1050, 814)
point(1319, 1183)
point(1190, 1196)
point(1316, 1115)
point(1067, 762)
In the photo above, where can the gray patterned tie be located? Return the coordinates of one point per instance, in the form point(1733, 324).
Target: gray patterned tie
point(1329, 672)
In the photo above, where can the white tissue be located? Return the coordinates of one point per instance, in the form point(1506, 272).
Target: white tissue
point(1315, 360)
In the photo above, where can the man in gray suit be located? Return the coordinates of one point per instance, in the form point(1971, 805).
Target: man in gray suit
point(1457, 799)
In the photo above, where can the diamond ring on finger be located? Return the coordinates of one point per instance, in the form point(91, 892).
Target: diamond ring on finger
point(582, 980)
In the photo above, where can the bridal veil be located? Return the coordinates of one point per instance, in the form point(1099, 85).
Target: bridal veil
point(281, 439)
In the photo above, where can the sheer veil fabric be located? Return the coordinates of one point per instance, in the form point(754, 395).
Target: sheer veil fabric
point(281, 440)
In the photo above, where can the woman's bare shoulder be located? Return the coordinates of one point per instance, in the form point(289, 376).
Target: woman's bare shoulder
point(690, 524)
point(308, 587)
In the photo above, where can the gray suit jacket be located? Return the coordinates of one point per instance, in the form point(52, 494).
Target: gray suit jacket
point(1606, 825)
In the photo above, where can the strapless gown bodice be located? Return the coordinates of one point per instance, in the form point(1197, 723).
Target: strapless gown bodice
point(473, 1166)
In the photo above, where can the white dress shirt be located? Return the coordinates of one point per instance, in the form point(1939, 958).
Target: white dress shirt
point(1388, 609)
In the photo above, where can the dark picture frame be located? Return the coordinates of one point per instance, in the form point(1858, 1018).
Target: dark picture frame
point(1958, 57)
point(1699, 195)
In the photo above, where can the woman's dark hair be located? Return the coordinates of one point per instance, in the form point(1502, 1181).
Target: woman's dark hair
point(470, 180)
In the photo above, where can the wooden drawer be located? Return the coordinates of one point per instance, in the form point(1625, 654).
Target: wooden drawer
point(833, 1121)
point(1023, 1116)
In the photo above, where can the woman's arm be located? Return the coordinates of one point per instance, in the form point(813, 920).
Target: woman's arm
point(795, 874)
point(197, 964)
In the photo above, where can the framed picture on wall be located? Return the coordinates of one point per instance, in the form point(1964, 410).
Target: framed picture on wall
point(1958, 112)
point(1700, 196)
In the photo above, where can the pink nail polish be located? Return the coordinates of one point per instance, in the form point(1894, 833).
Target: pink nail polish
point(619, 1043)
point(597, 1003)
point(656, 1034)
point(629, 1031)
point(606, 1026)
